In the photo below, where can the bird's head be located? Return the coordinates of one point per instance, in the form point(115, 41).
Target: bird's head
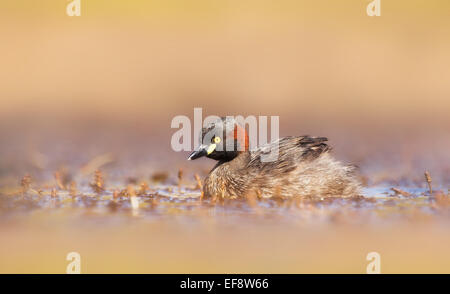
point(221, 140)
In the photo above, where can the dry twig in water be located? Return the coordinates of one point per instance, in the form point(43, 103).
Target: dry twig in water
point(401, 192)
point(62, 178)
point(180, 177)
point(25, 183)
point(143, 189)
point(73, 189)
point(98, 185)
point(59, 181)
point(116, 194)
point(428, 179)
point(199, 185)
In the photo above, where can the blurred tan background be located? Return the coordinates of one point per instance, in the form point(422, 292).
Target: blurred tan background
point(73, 89)
point(124, 69)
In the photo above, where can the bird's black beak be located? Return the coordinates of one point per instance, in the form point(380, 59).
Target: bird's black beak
point(200, 152)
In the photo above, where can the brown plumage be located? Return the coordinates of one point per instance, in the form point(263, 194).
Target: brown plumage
point(303, 166)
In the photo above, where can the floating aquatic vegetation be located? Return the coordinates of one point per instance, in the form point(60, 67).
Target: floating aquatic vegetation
point(98, 183)
point(428, 180)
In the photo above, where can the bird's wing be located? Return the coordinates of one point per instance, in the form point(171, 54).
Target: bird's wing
point(291, 152)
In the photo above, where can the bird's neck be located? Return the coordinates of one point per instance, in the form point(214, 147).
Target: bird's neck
point(240, 158)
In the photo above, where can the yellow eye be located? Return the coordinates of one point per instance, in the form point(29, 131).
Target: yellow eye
point(217, 140)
